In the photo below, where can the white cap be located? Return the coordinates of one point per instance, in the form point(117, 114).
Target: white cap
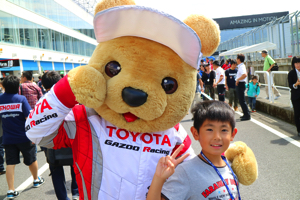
point(151, 24)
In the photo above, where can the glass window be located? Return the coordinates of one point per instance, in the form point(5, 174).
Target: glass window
point(57, 13)
point(30, 34)
point(44, 38)
point(82, 48)
point(21, 32)
point(8, 33)
point(58, 41)
point(67, 44)
point(76, 47)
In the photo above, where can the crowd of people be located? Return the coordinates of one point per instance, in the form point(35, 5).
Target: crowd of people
point(18, 99)
point(231, 75)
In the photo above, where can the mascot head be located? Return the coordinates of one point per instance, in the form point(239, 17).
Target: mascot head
point(142, 75)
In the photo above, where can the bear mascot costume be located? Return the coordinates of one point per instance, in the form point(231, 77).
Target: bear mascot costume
point(121, 112)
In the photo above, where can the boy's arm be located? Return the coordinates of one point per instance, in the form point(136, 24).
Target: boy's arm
point(164, 169)
point(226, 86)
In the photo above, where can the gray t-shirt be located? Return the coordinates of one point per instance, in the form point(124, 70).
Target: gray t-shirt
point(195, 179)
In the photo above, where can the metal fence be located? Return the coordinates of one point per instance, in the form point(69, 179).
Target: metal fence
point(283, 31)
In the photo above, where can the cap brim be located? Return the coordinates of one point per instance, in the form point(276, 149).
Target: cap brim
point(151, 24)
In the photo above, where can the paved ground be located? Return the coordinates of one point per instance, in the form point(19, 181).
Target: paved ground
point(277, 158)
point(284, 99)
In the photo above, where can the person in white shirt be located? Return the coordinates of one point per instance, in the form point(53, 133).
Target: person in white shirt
point(241, 79)
point(220, 80)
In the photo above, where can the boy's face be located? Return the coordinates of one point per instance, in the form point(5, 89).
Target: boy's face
point(214, 137)
point(233, 66)
point(215, 66)
point(254, 81)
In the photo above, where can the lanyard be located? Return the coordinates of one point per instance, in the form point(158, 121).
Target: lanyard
point(224, 182)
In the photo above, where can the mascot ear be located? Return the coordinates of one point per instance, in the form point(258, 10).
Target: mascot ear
point(105, 4)
point(207, 30)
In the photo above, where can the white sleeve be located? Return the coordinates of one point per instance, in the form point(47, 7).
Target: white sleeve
point(50, 113)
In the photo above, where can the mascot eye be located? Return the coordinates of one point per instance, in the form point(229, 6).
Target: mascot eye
point(112, 68)
point(169, 85)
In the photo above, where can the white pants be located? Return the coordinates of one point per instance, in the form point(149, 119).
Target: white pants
point(275, 91)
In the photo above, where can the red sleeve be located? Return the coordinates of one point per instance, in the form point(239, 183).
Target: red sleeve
point(64, 93)
point(62, 140)
point(187, 143)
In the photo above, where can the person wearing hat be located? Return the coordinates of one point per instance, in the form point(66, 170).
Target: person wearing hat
point(268, 64)
point(208, 78)
point(220, 80)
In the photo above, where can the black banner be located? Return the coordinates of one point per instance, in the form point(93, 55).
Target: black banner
point(9, 63)
point(248, 21)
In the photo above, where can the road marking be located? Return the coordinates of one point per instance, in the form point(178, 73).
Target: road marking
point(283, 136)
point(29, 181)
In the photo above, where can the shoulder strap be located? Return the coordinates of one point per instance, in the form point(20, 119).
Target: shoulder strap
point(21, 89)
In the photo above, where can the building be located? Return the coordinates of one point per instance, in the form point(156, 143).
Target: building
point(44, 35)
point(252, 29)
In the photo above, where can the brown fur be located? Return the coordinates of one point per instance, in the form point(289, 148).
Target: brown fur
point(105, 4)
point(243, 161)
point(207, 30)
point(144, 65)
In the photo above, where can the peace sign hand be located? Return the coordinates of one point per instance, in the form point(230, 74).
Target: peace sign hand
point(166, 165)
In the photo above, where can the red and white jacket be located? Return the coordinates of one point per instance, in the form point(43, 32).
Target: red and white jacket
point(110, 163)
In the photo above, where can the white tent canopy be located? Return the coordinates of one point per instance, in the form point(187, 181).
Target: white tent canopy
point(256, 48)
point(230, 52)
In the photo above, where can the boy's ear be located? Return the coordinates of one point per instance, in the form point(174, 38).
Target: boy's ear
point(234, 132)
point(195, 133)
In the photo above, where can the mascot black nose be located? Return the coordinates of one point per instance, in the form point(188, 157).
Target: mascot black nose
point(134, 97)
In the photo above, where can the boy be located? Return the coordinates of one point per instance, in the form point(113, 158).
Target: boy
point(14, 110)
point(208, 79)
point(220, 80)
point(253, 92)
point(230, 76)
point(214, 128)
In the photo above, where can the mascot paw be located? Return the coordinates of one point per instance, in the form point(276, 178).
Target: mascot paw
point(88, 86)
point(243, 162)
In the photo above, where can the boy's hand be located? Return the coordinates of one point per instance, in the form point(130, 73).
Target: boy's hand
point(166, 165)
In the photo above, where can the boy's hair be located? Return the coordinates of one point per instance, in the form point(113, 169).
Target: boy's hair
point(241, 57)
point(27, 75)
point(214, 111)
point(50, 78)
point(254, 77)
point(233, 61)
point(11, 84)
